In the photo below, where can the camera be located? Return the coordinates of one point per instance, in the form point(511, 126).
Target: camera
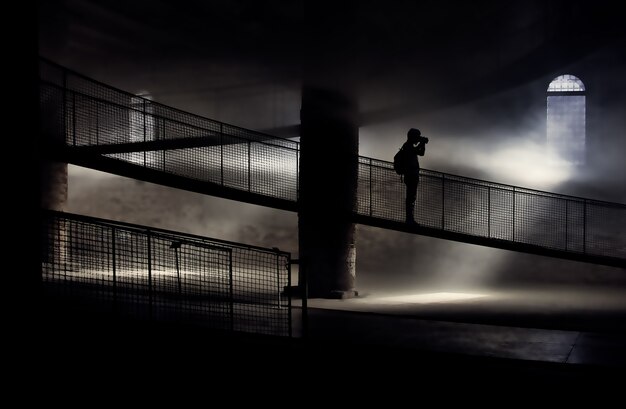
point(417, 135)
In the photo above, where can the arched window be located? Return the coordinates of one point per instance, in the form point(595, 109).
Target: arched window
point(566, 119)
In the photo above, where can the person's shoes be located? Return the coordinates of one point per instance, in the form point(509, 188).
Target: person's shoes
point(411, 223)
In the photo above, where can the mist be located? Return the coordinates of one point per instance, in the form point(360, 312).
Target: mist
point(99, 194)
point(387, 261)
point(501, 138)
point(485, 116)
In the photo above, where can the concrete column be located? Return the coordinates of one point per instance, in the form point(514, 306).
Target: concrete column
point(53, 177)
point(328, 185)
point(53, 109)
point(53, 185)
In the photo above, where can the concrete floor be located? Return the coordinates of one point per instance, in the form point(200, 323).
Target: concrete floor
point(493, 348)
point(560, 325)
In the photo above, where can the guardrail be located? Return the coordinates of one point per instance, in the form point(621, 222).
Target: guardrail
point(154, 274)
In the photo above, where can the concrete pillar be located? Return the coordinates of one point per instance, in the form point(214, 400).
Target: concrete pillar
point(328, 185)
point(53, 177)
point(53, 185)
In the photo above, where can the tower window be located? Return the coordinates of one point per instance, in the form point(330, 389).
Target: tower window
point(566, 120)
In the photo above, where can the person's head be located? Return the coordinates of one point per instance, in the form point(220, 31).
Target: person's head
point(413, 135)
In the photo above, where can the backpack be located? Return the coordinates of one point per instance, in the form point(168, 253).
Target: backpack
point(401, 161)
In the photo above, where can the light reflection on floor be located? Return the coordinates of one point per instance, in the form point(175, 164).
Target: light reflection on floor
point(429, 298)
point(559, 307)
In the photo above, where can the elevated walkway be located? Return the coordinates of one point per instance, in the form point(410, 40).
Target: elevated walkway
point(94, 125)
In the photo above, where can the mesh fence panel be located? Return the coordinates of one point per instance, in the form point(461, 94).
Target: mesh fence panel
point(143, 273)
point(491, 210)
point(85, 113)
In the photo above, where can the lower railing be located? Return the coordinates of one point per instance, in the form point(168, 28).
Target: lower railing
point(145, 273)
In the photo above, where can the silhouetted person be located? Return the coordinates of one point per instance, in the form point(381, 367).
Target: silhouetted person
point(415, 145)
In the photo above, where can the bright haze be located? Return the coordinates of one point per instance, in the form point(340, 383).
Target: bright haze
point(472, 76)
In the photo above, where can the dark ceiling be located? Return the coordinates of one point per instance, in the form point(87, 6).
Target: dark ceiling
point(442, 51)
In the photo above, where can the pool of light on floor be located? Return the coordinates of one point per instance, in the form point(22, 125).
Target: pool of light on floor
point(431, 298)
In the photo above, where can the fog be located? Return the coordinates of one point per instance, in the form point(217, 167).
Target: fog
point(387, 261)
point(501, 138)
point(478, 91)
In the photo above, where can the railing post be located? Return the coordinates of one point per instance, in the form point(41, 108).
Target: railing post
point(278, 278)
point(113, 262)
point(289, 319)
point(489, 211)
point(231, 290)
point(180, 287)
point(371, 190)
point(249, 160)
point(443, 201)
point(566, 221)
point(513, 221)
point(304, 276)
point(585, 226)
point(148, 234)
point(222, 154)
point(163, 137)
point(64, 249)
point(144, 131)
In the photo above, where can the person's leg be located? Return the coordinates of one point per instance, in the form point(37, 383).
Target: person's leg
point(411, 196)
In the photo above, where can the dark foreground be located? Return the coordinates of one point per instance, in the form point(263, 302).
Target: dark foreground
point(79, 357)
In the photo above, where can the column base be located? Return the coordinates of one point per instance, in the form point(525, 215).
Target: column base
point(343, 295)
point(296, 292)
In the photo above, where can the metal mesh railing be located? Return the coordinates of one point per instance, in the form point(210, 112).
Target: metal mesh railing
point(81, 112)
point(496, 211)
point(145, 273)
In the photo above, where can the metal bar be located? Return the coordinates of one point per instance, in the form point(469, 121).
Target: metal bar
point(513, 218)
point(180, 288)
point(371, 190)
point(566, 222)
point(289, 315)
point(304, 288)
point(488, 211)
point(222, 154)
point(249, 165)
point(113, 262)
point(64, 248)
point(585, 226)
point(443, 202)
point(231, 296)
point(163, 137)
point(148, 234)
point(144, 131)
